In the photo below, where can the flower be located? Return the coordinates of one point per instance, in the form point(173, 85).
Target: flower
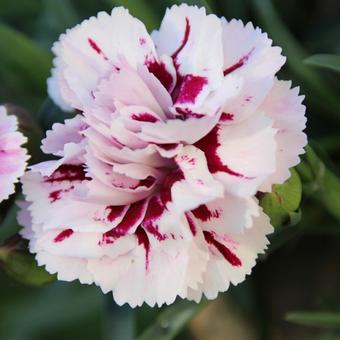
point(13, 156)
point(153, 194)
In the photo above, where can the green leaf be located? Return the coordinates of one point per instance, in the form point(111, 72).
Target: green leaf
point(329, 61)
point(281, 204)
point(24, 68)
point(23, 267)
point(321, 184)
point(171, 320)
point(316, 319)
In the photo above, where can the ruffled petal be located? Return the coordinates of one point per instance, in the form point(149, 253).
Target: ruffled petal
point(89, 51)
point(232, 256)
point(249, 54)
point(284, 106)
point(13, 156)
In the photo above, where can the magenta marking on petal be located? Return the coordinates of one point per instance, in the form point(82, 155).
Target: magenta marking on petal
point(209, 144)
point(239, 64)
point(158, 69)
point(144, 117)
point(67, 172)
point(143, 239)
point(130, 219)
point(154, 211)
point(226, 116)
point(142, 41)
point(95, 47)
point(63, 235)
point(169, 181)
point(204, 214)
point(56, 194)
point(114, 212)
point(225, 251)
point(190, 88)
point(184, 40)
point(191, 224)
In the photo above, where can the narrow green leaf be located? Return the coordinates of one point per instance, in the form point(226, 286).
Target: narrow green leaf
point(171, 321)
point(329, 61)
point(24, 68)
point(316, 319)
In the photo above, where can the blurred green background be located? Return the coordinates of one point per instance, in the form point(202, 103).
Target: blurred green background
point(294, 292)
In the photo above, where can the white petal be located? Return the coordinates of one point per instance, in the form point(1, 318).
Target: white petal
point(249, 54)
point(87, 52)
point(283, 105)
point(235, 258)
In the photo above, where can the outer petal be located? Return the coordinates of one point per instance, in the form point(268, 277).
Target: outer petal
point(87, 52)
point(13, 157)
point(230, 214)
point(284, 106)
point(232, 257)
point(249, 54)
point(61, 134)
point(241, 155)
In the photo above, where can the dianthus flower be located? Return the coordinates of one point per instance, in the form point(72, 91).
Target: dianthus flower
point(13, 156)
point(153, 192)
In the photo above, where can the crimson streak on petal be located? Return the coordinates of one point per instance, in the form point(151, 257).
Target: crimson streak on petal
point(204, 214)
point(158, 69)
point(239, 64)
point(184, 40)
point(209, 144)
point(225, 251)
point(94, 46)
point(144, 240)
point(114, 211)
point(131, 218)
point(68, 172)
point(63, 235)
point(169, 181)
point(154, 211)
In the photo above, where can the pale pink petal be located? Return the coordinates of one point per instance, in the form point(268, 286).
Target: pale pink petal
point(283, 105)
point(13, 156)
point(248, 53)
point(241, 155)
point(87, 52)
point(232, 256)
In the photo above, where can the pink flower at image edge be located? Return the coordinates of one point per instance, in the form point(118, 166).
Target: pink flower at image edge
point(13, 156)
